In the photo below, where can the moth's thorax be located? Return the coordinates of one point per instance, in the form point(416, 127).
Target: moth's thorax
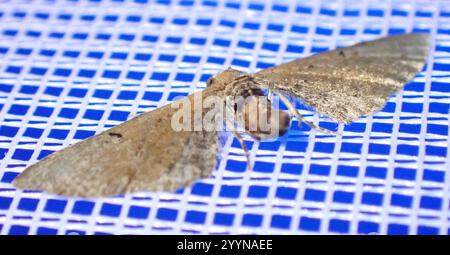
point(223, 79)
point(243, 86)
point(235, 83)
point(245, 98)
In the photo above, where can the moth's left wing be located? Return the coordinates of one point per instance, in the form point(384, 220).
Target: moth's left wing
point(347, 83)
point(142, 154)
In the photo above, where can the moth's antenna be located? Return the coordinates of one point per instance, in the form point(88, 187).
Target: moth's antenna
point(295, 112)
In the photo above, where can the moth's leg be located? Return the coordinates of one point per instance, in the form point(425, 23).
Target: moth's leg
point(295, 112)
point(270, 95)
point(242, 142)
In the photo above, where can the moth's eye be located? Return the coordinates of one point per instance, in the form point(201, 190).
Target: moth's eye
point(209, 81)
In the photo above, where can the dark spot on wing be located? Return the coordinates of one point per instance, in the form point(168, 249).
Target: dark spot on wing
point(341, 53)
point(311, 66)
point(118, 135)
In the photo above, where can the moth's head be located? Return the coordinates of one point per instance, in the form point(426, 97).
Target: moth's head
point(223, 78)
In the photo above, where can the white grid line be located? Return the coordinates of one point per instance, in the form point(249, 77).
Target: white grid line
point(420, 162)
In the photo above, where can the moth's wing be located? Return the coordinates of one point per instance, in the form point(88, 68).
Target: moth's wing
point(142, 154)
point(354, 81)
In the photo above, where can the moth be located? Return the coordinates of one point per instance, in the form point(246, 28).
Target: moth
point(147, 154)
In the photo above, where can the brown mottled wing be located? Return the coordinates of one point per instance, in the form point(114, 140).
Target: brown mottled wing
point(354, 81)
point(142, 154)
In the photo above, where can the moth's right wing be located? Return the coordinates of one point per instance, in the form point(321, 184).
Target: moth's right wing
point(347, 83)
point(142, 154)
